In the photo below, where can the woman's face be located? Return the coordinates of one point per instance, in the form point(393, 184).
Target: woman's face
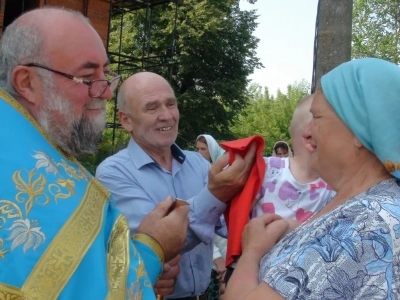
point(282, 152)
point(203, 150)
point(328, 139)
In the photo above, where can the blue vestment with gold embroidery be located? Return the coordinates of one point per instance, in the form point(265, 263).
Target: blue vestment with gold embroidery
point(60, 235)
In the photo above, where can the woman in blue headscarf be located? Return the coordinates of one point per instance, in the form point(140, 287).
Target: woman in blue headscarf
point(350, 249)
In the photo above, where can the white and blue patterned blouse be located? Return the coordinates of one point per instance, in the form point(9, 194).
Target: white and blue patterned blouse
point(351, 252)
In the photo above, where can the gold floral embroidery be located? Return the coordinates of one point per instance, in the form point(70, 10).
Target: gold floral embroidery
point(135, 291)
point(78, 174)
point(34, 189)
point(45, 161)
point(31, 190)
point(10, 210)
point(68, 247)
point(391, 166)
point(56, 189)
point(2, 250)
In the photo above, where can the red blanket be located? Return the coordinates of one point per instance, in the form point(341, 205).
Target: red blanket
point(238, 211)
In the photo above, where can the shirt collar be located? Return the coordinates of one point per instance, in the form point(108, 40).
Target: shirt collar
point(178, 154)
point(141, 158)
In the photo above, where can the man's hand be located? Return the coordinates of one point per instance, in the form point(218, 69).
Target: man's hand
point(168, 229)
point(165, 284)
point(225, 183)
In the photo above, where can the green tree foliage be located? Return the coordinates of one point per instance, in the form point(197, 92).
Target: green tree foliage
point(270, 116)
point(376, 29)
point(208, 66)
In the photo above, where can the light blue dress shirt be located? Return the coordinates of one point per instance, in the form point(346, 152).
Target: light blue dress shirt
point(138, 184)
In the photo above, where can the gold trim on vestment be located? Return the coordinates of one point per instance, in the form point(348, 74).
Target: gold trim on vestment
point(9, 292)
point(118, 259)
point(66, 251)
point(152, 243)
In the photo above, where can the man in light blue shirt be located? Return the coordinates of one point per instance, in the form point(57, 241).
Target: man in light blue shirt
point(153, 167)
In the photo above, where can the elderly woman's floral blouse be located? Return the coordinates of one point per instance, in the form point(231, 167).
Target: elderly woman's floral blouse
point(352, 252)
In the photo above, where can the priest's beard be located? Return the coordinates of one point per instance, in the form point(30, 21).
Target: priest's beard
point(74, 134)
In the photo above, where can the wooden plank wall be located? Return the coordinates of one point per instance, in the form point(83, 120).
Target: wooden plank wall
point(98, 11)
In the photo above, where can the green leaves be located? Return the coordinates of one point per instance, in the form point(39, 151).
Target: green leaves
point(270, 116)
point(207, 58)
point(376, 29)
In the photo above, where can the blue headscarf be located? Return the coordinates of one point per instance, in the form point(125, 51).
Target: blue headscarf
point(365, 94)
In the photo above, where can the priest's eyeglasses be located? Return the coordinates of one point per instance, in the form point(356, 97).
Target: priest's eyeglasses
point(97, 87)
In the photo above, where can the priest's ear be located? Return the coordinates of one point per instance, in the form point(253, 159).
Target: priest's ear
point(28, 86)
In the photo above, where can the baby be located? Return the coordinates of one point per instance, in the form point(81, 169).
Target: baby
point(290, 188)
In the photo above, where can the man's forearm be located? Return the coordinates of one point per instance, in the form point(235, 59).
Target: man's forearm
point(205, 211)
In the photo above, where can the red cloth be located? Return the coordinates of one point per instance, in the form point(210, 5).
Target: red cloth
point(238, 211)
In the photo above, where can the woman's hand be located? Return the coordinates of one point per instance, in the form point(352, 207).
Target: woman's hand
point(220, 268)
point(292, 225)
point(262, 233)
point(259, 236)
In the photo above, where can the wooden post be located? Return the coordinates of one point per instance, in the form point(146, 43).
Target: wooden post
point(333, 37)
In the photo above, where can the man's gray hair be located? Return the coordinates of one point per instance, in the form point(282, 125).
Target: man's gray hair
point(23, 42)
point(20, 44)
point(122, 103)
